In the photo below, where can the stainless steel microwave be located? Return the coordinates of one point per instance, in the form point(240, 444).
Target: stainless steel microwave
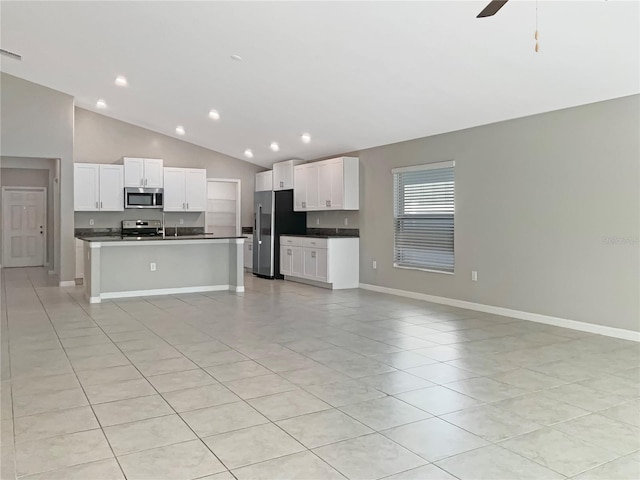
point(143, 197)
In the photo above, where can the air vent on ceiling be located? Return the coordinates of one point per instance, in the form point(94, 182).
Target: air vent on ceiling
point(10, 54)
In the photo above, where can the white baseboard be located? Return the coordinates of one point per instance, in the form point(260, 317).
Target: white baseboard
point(236, 289)
point(95, 300)
point(51, 272)
point(67, 283)
point(162, 291)
point(533, 317)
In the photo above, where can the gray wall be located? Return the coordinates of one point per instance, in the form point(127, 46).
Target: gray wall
point(100, 139)
point(537, 200)
point(37, 122)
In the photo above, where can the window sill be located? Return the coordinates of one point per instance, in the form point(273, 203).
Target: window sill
point(395, 265)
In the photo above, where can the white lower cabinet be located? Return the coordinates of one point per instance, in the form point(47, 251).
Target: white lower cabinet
point(248, 253)
point(329, 262)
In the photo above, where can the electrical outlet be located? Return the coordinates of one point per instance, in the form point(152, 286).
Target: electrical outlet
point(375, 265)
point(152, 266)
point(474, 276)
point(91, 222)
point(317, 221)
point(182, 221)
point(346, 220)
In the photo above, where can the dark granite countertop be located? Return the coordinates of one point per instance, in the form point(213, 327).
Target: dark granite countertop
point(119, 238)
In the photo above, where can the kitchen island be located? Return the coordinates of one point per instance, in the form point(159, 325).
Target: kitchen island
point(118, 267)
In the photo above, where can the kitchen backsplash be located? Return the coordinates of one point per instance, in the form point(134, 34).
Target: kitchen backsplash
point(113, 219)
point(333, 219)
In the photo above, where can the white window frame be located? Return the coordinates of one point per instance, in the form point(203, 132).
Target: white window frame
point(415, 168)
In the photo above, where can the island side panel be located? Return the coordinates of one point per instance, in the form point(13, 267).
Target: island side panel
point(197, 266)
point(91, 280)
point(236, 265)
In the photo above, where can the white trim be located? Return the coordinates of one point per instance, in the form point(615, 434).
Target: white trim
point(95, 300)
point(533, 317)
point(51, 272)
point(67, 283)
point(236, 289)
point(430, 270)
point(163, 291)
point(426, 166)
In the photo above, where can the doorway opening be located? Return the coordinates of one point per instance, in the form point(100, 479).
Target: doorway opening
point(222, 217)
point(24, 223)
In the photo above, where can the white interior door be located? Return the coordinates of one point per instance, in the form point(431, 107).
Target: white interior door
point(222, 217)
point(23, 227)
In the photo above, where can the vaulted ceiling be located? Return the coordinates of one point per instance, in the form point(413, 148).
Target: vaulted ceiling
point(352, 74)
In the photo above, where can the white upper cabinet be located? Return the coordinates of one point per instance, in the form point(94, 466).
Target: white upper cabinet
point(264, 181)
point(283, 174)
point(174, 189)
point(143, 172)
point(98, 187)
point(313, 177)
point(195, 182)
point(86, 187)
point(305, 187)
point(153, 173)
point(327, 185)
point(111, 188)
point(185, 189)
point(300, 188)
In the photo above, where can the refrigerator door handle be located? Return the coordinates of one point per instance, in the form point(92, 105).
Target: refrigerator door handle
point(259, 226)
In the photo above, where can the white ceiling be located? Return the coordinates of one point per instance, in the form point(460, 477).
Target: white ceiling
point(352, 74)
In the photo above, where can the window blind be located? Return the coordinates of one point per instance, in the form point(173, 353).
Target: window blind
point(424, 216)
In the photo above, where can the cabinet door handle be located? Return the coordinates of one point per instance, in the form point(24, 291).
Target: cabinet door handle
point(281, 184)
point(100, 204)
point(304, 204)
point(142, 182)
point(187, 205)
point(328, 203)
point(183, 205)
point(313, 254)
point(145, 181)
point(288, 251)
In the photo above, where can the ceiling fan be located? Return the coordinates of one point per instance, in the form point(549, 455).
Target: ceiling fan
point(492, 8)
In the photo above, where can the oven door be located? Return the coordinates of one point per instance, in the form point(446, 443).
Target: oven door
point(143, 197)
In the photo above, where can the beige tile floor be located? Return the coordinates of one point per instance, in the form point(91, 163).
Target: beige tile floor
point(291, 381)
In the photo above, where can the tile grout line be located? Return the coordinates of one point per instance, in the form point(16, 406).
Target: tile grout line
point(170, 406)
point(78, 379)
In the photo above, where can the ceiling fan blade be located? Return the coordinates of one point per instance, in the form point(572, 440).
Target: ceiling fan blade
point(492, 8)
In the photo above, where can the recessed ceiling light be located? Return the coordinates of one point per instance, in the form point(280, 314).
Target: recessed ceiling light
point(305, 137)
point(248, 153)
point(214, 115)
point(180, 130)
point(101, 103)
point(274, 146)
point(121, 81)
point(237, 58)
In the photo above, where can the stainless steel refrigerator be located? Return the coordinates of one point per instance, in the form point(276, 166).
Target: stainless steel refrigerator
point(273, 216)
